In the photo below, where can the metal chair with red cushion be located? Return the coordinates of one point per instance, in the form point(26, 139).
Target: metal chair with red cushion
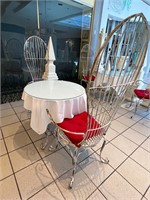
point(141, 94)
point(88, 128)
point(86, 79)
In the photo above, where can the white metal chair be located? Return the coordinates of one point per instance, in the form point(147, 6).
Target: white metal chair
point(141, 91)
point(88, 128)
point(34, 54)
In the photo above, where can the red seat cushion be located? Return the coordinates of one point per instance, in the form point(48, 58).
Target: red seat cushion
point(142, 94)
point(78, 124)
point(87, 78)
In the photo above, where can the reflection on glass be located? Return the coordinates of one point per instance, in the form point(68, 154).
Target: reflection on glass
point(62, 20)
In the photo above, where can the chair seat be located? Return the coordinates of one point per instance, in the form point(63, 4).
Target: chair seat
point(142, 94)
point(78, 124)
point(87, 78)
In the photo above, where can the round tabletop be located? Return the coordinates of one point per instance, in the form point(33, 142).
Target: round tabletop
point(54, 90)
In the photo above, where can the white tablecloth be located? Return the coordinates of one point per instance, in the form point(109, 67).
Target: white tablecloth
point(59, 109)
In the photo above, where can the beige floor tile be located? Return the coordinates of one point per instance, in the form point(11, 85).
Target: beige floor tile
point(0, 134)
point(7, 112)
point(97, 195)
point(12, 129)
point(82, 187)
point(32, 179)
point(143, 198)
point(17, 103)
point(26, 124)
point(147, 195)
point(96, 170)
point(134, 117)
point(116, 188)
point(114, 155)
point(99, 145)
point(142, 111)
point(46, 151)
point(135, 174)
point(24, 115)
point(134, 136)
point(84, 153)
point(51, 192)
point(119, 127)
point(8, 120)
point(145, 122)
point(2, 148)
point(5, 167)
point(117, 115)
point(8, 189)
point(19, 109)
point(146, 144)
point(5, 106)
point(16, 141)
point(142, 157)
point(35, 136)
point(124, 144)
point(126, 121)
point(142, 129)
point(54, 163)
point(111, 134)
point(147, 116)
point(24, 157)
point(122, 110)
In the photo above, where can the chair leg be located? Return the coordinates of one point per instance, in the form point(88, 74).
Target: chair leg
point(102, 160)
point(148, 107)
point(51, 128)
point(56, 140)
point(43, 145)
point(136, 106)
point(75, 156)
point(130, 102)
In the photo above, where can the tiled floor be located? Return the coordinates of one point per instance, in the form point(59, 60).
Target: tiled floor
point(27, 172)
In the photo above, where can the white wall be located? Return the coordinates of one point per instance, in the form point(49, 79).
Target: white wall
point(137, 6)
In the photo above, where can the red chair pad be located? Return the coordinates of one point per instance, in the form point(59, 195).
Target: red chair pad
point(142, 94)
point(78, 124)
point(87, 78)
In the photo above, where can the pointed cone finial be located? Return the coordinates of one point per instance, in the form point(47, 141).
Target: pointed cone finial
point(50, 55)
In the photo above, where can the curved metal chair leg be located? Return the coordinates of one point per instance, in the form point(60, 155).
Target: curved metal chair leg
point(75, 156)
point(128, 106)
point(49, 131)
point(148, 107)
point(56, 140)
point(43, 145)
point(136, 106)
point(102, 160)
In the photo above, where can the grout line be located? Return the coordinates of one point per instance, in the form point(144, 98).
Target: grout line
point(145, 192)
point(42, 158)
point(13, 171)
point(129, 182)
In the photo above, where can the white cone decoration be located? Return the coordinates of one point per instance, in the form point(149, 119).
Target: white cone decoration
point(50, 68)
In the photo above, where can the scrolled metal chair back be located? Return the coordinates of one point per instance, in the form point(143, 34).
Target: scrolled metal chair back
point(129, 42)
